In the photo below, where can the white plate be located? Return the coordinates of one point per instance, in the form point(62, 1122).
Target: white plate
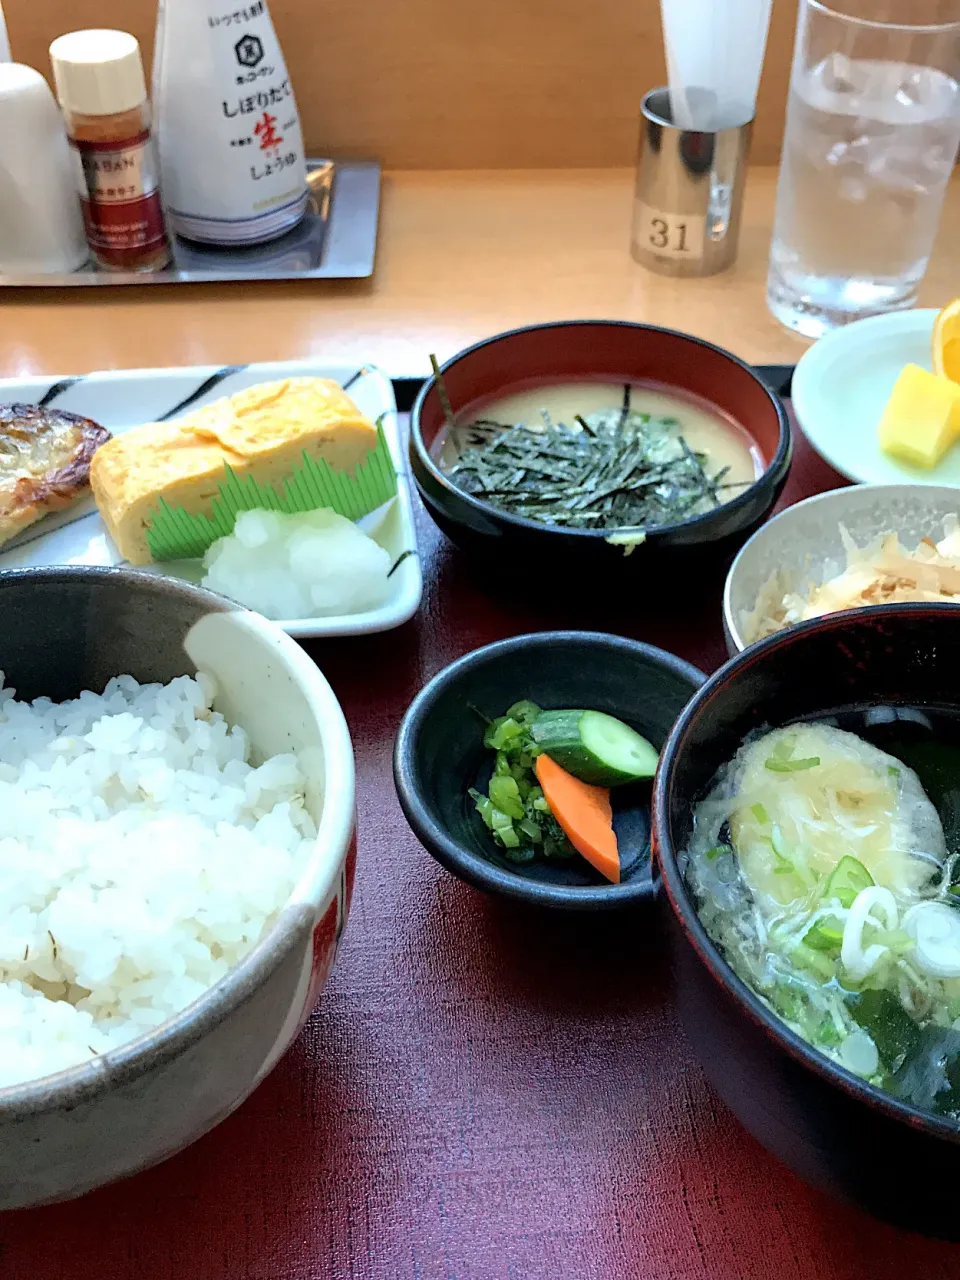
point(119, 401)
point(842, 384)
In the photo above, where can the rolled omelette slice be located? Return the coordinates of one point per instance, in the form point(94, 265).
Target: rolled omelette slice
point(262, 431)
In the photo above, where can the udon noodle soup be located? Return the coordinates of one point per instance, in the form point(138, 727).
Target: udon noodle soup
point(823, 862)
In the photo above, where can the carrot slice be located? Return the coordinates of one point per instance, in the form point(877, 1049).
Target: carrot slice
point(584, 813)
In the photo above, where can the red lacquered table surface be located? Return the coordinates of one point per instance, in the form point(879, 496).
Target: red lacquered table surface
point(483, 1092)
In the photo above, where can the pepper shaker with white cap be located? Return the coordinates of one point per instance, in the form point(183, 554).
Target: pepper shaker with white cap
point(41, 230)
point(101, 87)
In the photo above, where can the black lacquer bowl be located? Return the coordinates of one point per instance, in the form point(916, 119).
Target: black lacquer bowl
point(610, 351)
point(439, 754)
point(829, 1126)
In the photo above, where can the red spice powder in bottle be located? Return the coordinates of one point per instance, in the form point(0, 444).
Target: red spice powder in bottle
point(101, 88)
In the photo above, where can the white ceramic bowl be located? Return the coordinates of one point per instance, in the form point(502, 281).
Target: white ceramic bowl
point(804, 544)
point(63, 630)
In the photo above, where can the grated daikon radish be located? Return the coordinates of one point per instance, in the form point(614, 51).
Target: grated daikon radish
point(313, 565)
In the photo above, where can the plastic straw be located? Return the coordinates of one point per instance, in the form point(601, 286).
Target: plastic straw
point(4, 41)
point(715, 54)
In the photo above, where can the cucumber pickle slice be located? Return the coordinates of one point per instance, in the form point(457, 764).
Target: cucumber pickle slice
point(594, 747)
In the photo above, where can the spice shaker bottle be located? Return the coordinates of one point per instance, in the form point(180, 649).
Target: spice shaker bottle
point(100, 84)
point(41, 229)
point(231, 150)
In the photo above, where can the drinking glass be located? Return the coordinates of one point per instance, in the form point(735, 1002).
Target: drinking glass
point(873, 128)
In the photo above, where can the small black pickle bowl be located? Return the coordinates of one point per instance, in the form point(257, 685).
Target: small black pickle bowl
point(855, 1141)
point(608, 351)
point(439, 754)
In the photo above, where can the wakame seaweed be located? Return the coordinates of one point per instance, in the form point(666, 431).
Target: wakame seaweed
point(614, 469)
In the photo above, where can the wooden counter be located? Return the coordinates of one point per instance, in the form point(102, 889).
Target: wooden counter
point(462, 256)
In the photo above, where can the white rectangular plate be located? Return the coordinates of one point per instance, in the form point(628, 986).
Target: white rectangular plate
point(126, 399)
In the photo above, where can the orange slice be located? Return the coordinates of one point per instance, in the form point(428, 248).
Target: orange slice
point(946, 342)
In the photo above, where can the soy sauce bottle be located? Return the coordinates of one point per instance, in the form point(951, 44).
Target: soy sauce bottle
point(231, 151)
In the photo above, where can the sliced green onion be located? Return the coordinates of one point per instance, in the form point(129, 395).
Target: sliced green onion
point(826, 935)
point(715, 852)
point(790, 766)
point(898, 940)
point(814, 962)
point(848, 878)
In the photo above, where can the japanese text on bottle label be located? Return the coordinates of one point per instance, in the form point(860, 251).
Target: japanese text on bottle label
point(118, 187)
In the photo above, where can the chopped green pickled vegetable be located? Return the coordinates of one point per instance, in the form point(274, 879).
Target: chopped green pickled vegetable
point(760, 813)
point(505, 795)
point(514, 810)
point(524, 712)
point(501, 732)
point(503, 830)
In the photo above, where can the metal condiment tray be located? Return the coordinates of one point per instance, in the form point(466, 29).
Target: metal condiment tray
point(337, 239)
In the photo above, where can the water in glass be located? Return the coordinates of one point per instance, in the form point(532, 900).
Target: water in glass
point(868, 150)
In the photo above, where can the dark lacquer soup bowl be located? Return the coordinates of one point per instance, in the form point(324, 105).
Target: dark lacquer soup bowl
point(662, 360)
point(897, 1160)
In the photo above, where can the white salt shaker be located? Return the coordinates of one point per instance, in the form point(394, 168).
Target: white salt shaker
point(41, 226)
point(232, 167)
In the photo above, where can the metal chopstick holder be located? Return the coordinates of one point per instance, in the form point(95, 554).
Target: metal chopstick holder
point(689, 192)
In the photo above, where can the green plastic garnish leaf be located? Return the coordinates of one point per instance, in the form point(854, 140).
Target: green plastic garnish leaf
point(173, 534)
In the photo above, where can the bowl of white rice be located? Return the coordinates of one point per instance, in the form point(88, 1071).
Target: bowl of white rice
point(177, 847)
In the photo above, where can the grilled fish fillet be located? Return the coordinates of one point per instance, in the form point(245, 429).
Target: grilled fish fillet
point(44, 463)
